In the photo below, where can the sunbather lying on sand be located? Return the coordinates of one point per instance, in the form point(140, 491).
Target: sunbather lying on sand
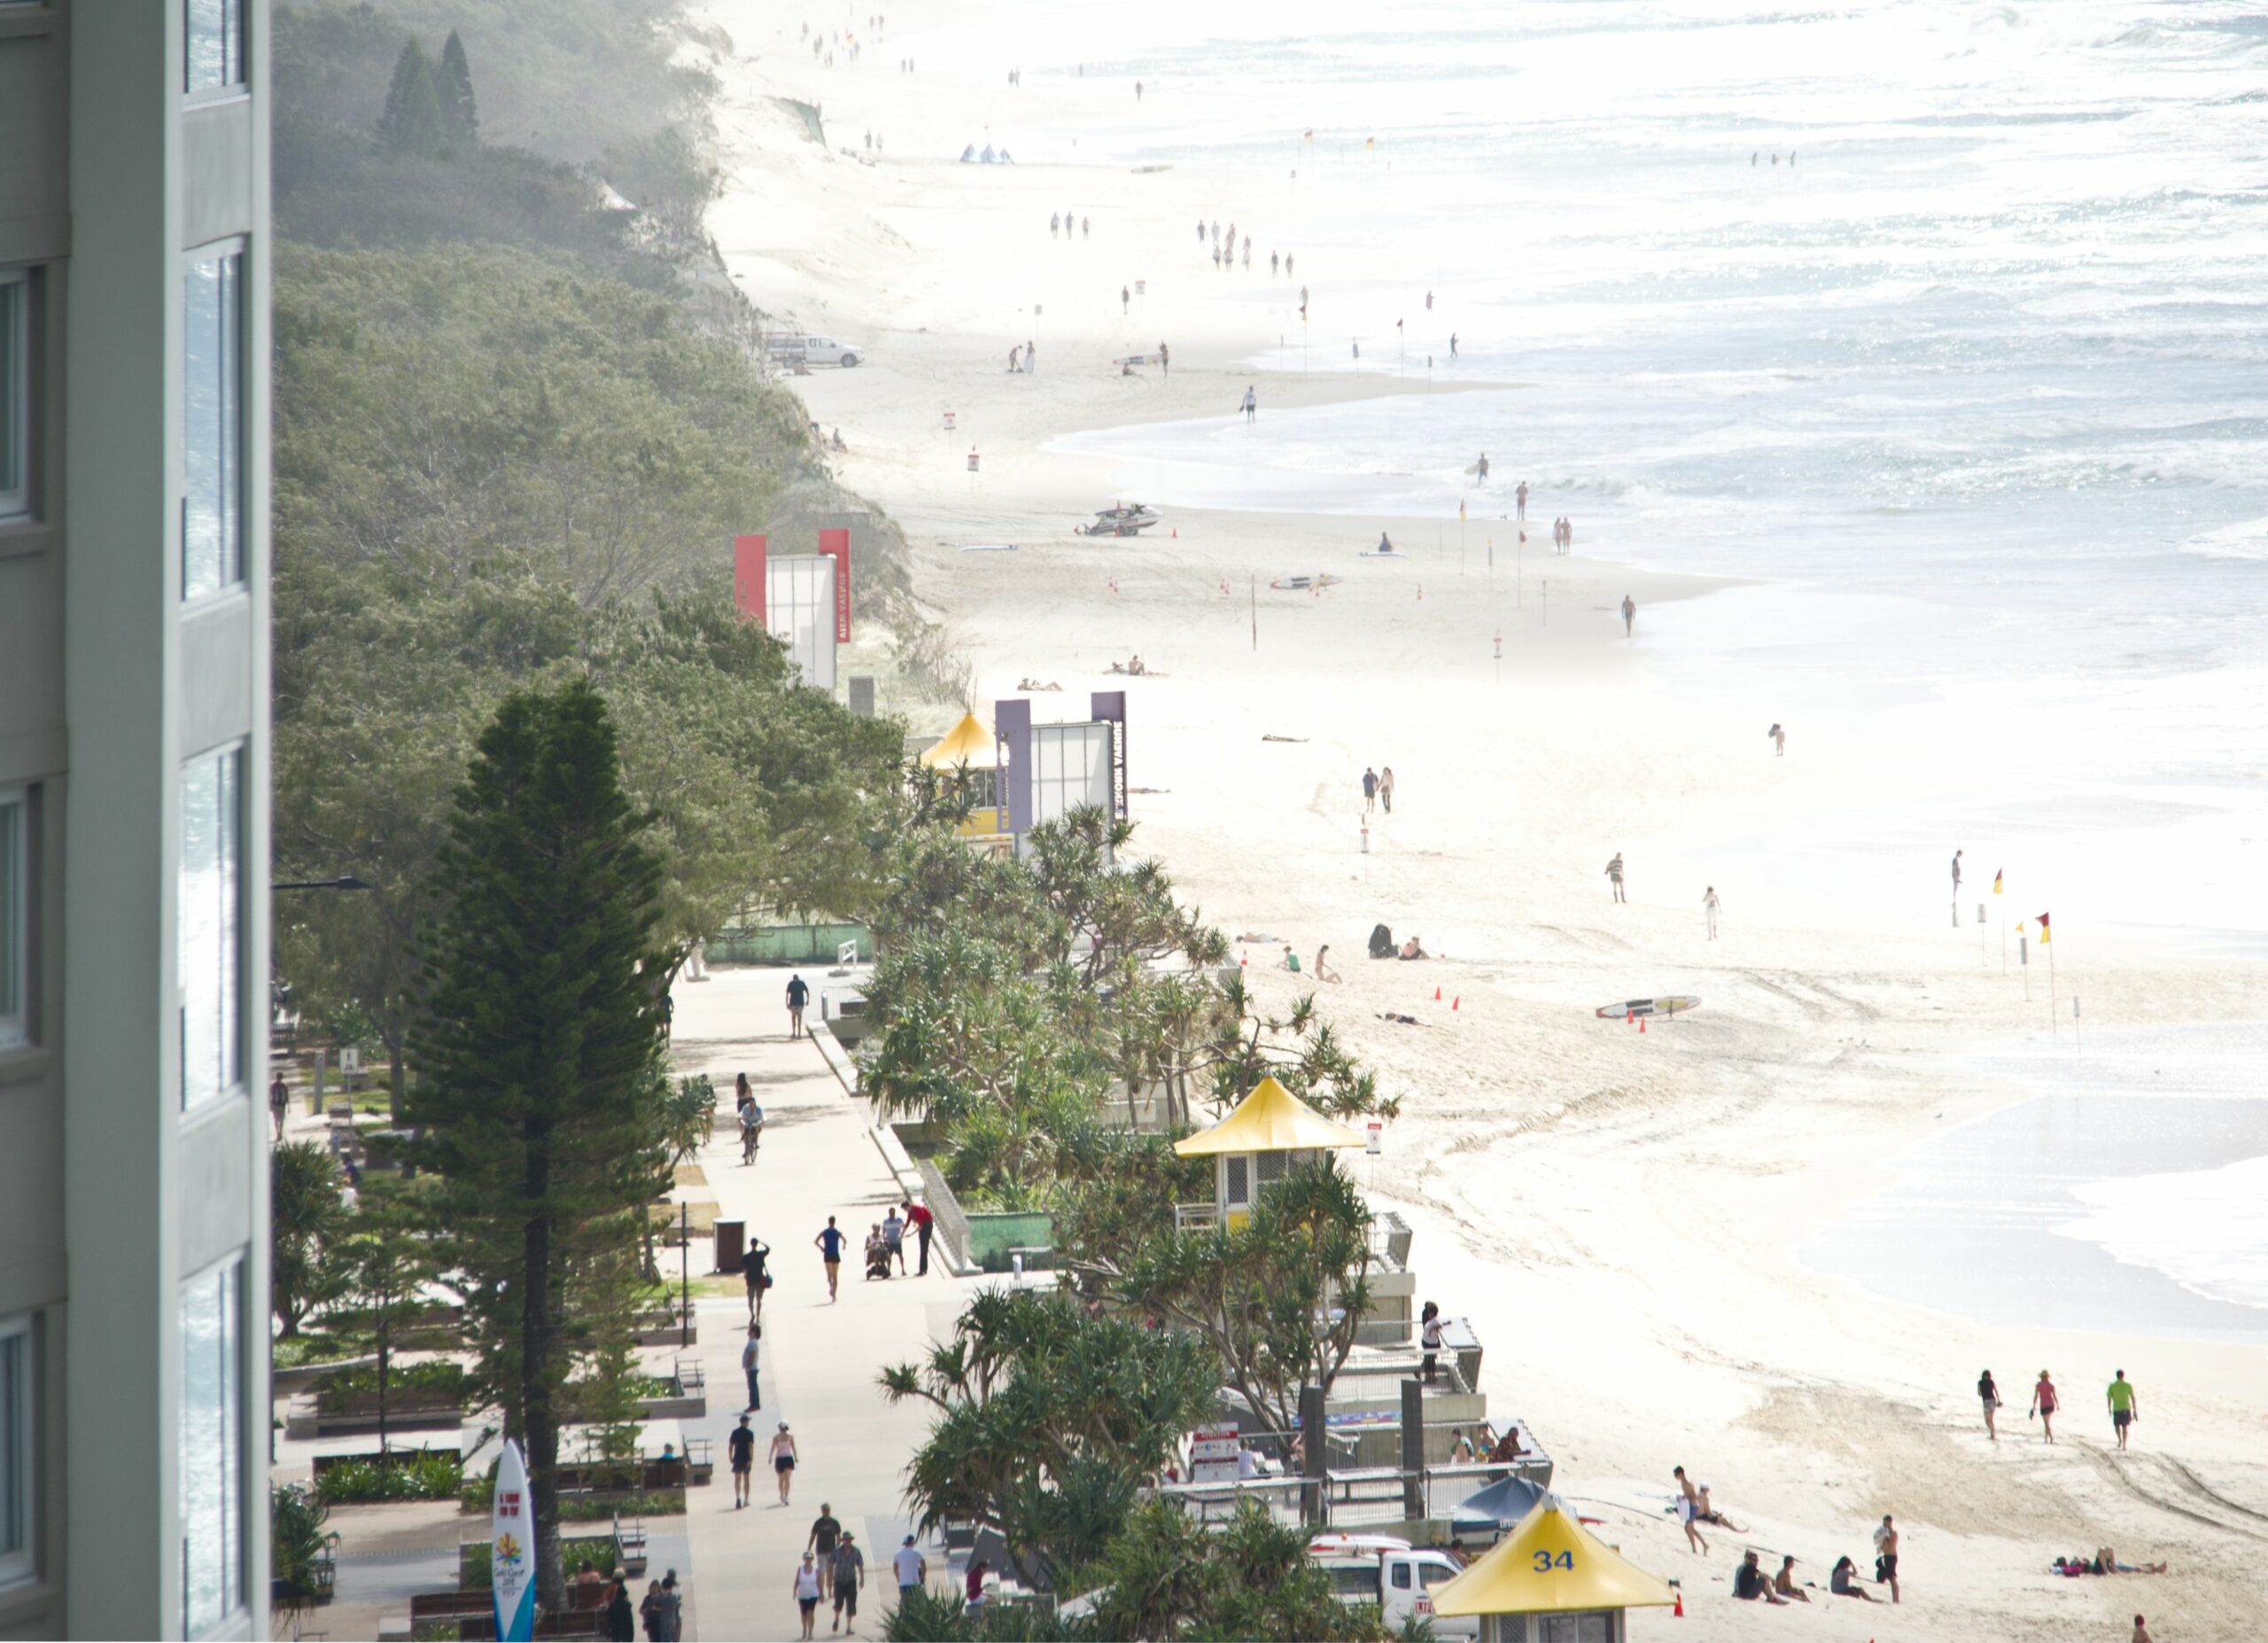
point(1411, 950)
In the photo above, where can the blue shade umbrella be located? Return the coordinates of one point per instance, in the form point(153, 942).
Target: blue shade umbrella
point(1500, 1506)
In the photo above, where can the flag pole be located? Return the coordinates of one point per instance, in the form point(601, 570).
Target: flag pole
point(2055, 1027)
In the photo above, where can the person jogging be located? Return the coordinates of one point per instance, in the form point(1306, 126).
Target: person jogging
point(829, 1245)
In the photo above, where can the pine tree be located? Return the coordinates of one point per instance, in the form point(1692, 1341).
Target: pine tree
point(411, 121)
point(460, 116)
point(539, 1032)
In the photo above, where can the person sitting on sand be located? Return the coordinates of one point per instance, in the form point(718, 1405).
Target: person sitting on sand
point(1411, 950)
point(836, 443)
point(1136, 668)
point(1785, 1582)
point(1749, 1581)
point(2141, 1632)
point(1323, 971)
point(1385, 543)
point(2106, 1562)
point(1842, 1582)
point(1710, 1515)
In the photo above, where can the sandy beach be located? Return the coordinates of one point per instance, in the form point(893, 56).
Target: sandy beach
point(1617, 1213)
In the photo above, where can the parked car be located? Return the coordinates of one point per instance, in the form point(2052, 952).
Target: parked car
point(812, 350)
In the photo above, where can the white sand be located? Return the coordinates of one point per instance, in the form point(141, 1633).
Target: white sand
point(1615, 1211)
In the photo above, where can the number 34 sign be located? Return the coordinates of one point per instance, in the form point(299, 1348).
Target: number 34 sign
point(1546, 1562)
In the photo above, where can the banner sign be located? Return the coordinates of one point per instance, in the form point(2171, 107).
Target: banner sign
point(835, 545)
point(511, 1533)
point(748, 576)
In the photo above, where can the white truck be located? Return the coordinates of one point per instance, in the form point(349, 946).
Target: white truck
point(1391, 1573)
point(787, 347)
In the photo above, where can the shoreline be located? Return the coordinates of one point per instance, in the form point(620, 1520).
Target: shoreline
point(1618, 1214)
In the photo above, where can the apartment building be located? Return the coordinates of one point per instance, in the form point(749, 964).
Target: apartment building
point(133, 617)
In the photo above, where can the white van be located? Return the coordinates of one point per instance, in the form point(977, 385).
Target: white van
point(812, 350)
point(1386, 1570)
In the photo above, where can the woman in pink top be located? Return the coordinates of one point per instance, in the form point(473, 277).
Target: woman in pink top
point(2043, 1405)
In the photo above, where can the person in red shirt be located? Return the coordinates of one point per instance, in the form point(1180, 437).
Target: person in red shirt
point(918, 1214)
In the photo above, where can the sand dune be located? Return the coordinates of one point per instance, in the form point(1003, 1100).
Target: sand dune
point(1615, 1212)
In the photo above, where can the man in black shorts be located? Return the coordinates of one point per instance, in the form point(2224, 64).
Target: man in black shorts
point(740, 1449)
point(752, 1274)
point(850, 1568)
point(799, 994)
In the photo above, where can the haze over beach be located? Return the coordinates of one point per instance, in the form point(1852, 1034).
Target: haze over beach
point(1934, 435)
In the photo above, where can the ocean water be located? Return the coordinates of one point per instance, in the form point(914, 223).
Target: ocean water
point(1974, 384)
point(2108, 1202)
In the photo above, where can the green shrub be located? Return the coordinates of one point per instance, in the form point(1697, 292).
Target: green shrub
point(403, 1381)
point(418, 1475)
point(599, 1552)
point(296, 1537)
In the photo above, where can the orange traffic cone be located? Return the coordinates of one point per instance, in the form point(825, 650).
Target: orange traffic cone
point(1628, 1016)
point(1458, 999)
point(1245, 961)
point(1437, 995)
point(1642, 1023)
point(1679, 1612)
point(1177, 533)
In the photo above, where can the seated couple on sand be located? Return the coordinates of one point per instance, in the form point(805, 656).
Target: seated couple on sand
point(1133, 667)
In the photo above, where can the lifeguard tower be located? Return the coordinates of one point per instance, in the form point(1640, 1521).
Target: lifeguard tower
point(970, 743)
point(1551, 1581)
point(1271, 1132)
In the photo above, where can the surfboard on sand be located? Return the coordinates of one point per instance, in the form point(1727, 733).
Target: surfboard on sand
point(1673, 1005)
point(1301, 584)
point(1372, 553)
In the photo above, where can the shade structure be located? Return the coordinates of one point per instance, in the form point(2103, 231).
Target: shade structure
point(1549, 1565)
point(1270, 1119)
point(967, 743)
point(1507, 1500)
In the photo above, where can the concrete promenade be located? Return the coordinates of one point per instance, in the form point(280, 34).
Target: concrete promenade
point(820, 1360)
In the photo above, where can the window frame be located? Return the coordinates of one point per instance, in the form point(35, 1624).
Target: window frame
point(232, 487)
point(16, 389)
point(236, 1371)
point(232, 817)
point(21, 1563)
point(235, 53)
point(16, 921)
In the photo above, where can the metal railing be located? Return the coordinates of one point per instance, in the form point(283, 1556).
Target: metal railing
point(1344, 1497)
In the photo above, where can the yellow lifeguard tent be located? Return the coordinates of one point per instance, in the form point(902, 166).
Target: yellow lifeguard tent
point(970, 743)
point(1551, 1581)
point(1269, 1135)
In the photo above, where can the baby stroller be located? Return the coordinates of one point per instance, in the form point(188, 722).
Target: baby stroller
point(877, 1258)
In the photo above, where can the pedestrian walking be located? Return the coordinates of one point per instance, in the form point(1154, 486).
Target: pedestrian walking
point(754, 1276)
point(2124, 1404)
point(750, 1354)
point(672, 1608)
point(621, 1619)
point(1629, 614)
point(1165, 359)
point(1886, 1555)
point(2044, 1405)
point(279, 1103)
point(1709, 910)
point(740, 1449)
point(650, 1612)
point(849, 1569)
point(1614, 875)
point(912, 1569)
point(1251, 404)
point(783, 1460)
point(1369, 789)
point(1989, 1394)
point(1125, 301)
point(1956, 875)
point(1386, 788)
point(1779, 735)
point(799, 994)
point(1519, 501)
point(825, 1531)
point(805, 1586)
point(829, 1243)
point(918, 1215)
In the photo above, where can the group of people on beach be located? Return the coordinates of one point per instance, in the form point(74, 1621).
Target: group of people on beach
point(2120, 1398)
point(1023, 361)
point(1225, 252)
point(1063, 222)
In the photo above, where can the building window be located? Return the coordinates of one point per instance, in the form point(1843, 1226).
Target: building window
point(15, 393)
point(215, 56)
point(212, 1448)
point(213, 426)
point(19, 1421)
point(15, 917)
point(211, 923)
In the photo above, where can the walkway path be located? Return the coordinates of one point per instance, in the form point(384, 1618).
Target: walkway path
point(819, 1361)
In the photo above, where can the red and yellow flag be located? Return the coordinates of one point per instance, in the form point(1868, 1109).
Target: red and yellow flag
point(2043, 930)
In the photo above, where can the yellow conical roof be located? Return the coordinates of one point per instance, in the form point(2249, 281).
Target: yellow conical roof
point(967, 743)
point(1270, 1119)
point(1549, 1565)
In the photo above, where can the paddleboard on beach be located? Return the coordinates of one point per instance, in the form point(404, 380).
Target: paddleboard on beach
point(1670, 1006)
point(1301, 584)
point(1372, 553)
